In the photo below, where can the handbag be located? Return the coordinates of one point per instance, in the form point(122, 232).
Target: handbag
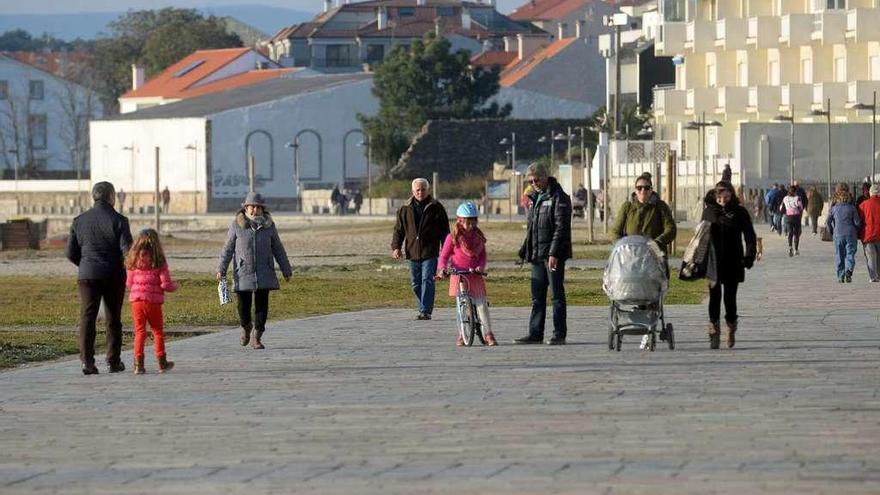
point(826, 234)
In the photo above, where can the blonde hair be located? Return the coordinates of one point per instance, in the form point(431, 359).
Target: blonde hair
point(147, 242)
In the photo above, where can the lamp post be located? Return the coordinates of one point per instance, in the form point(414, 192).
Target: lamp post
point(366, 144)
point(512, 155)
point(826, 112)
point(15, 175)
point(790, 119)
point(702, 124)
point(294, 145)
point(617, 21)
point(194, 149)
point(873, 108)
point(130, 148)
point(588, 172)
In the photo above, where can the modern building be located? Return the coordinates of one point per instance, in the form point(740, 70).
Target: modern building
point(351, 36)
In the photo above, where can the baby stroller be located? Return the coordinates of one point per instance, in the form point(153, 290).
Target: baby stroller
point(636, 281)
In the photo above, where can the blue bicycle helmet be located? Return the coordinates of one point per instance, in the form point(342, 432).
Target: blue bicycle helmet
point(467, 210)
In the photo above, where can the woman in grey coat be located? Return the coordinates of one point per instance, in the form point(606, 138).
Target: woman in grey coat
point(253, 246)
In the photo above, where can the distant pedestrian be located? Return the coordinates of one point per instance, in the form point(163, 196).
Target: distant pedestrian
point(815, 205)
point(546, 247)
point(844, 223)
point(866, 194)
point(869, 211)
point(253, 245)
point(358, 201)
point(120, 197)
point(166, 200)
point(98, 243)
point(334, 200)
point(775, 205)
point(465, 249)
point(148, 279)
point(793, 208)
point(421, 227)
point(726, 173)
point(731, 226)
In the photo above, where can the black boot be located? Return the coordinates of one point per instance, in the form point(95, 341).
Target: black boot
point(714, 331)
point(256, 342)
point(246, 333)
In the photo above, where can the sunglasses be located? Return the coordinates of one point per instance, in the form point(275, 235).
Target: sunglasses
point(643, 188)
point(535, 180)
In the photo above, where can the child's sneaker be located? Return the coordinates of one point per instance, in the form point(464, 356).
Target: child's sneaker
point(164, 364)
point(459, 341)
point(490, 339)
point(139, 366)
point(645, 339)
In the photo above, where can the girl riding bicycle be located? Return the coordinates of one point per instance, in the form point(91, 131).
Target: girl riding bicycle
point(465, 250)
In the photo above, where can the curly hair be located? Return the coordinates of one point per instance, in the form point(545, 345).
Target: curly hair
point(147, 242)
point(459, 230)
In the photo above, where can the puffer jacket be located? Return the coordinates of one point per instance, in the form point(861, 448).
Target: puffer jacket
point(422, 241)
point(146, 283)
point(98, 242)
point(253, 250)
point(869, 211)
point(653, 220)
point(549, 225)
point(731, 226)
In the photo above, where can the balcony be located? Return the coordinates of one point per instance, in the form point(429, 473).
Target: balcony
point(838, 92)
point(862, 91)
point(669, 101)
point(700, 36)
point(796, 29)
point(701, 100)
point(670, 39)
point(731, 33)
point(798, 94)
point(765, 99)
point(733, 99)
point(829, 27)
point(862, 25)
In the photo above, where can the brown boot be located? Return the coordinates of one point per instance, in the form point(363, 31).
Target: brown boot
point(165, 364)
point(714, 331)
point(731, 330)
point(246, 334)
point(256, 335)
point(139, 366)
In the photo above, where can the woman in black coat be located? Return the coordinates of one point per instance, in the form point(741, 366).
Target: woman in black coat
point(731, 225)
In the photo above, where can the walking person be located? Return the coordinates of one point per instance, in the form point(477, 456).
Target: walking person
point(253, 245)
point(120, 197)
point(98, 242)
point(775, 205)
point(465, 249)
point(844, 224)
point(869, 212)
point(148, 279)
point(166, 200)
point(793, 208)
point(358, 201)
point(421, 227)
point(546, 247)
point(731, 226)
point(815, 205)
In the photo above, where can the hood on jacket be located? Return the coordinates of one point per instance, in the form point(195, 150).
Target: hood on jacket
point(653, 199)
point(244, 222)
point(709, 200)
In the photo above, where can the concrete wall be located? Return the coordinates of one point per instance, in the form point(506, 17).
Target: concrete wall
point(577, 74)
point(528, 105)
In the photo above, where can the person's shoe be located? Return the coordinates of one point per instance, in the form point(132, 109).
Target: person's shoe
point(89, 369)
point(116, 367)
point(246, 334)
point(556, 341)
point(256, 341)
point(714, 331)
point(841, 280)
point(164, 364)
point(459, 341)
point(731, 331)
point(790, 252)
point(797, 252)
point(645, 340)
point(848, 277)
point(490, 339)
point(139, 366)
point(427, 316)
point(528, 339)
point(422, 316)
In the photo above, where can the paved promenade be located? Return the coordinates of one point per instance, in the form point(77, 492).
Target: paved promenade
point(373, 402)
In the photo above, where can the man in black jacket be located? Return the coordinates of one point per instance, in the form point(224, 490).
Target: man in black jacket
point(547, 245)
point(421, 228)
point(99, 240)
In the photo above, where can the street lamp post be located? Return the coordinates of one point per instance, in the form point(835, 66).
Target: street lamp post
point(873, 108)
point(512, 154)
point(826, 112)
point(617, 21)
point(588, 172)
point(702, 124)
point(130, 148)
point(294, 145)
point(194, 149)
point(366, 144)
point(790, 119)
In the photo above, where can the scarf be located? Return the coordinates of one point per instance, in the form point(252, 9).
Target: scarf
point(258, 221)
point(471, 243)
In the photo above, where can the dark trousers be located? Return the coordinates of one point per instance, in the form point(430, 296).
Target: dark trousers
point(715, 297)
point(90, 294)
point(541, 278)
point(814, 222)
point(260, 301)
point(794, 231)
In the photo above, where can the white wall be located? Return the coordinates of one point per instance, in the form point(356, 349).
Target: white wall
point(533, 105)
point(180, 169)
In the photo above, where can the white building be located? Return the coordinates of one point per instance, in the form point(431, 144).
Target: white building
point(204, 143)
point(43, 122)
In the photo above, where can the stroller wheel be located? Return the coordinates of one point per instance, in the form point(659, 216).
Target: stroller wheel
point(611, 334)
point(670, 336)
point(619, 341)
point(652, 343)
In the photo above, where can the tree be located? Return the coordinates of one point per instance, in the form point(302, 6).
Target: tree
point(425, 83)
point(154, 39)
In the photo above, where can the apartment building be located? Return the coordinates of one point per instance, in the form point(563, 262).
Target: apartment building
point(751, 60)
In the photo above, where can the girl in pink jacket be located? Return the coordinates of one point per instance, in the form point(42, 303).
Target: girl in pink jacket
point(148, 279)
point(465, 249)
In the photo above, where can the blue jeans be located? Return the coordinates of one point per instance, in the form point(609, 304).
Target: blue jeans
point(845, 248)
point(421, 275)
point(541, 278)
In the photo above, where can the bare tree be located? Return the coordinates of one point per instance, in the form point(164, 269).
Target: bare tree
point(15, 141)
point(78, 104)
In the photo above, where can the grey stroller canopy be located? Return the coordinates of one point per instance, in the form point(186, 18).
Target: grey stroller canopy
point(636, 272)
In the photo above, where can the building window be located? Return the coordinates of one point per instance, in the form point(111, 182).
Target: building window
point(445, 11)
point(875, 68)
point(37, 131)
point(375, 53)
point(406, 12)
point(35, 90)
point(840, 69)
point(711, 75)
point(807, 71)
point(742, 74)
point(339, 56)
point(773, 73)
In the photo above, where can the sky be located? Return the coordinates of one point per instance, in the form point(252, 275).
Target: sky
point(81, 6)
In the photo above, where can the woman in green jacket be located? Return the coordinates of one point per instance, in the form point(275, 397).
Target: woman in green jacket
point(645, 214)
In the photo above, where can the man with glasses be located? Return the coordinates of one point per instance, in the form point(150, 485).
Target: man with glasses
point(547, 245)
point(421, 227)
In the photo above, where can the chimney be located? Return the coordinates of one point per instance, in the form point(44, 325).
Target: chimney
point(579, 29)
point(420, 3)
point(465, 18)
point(437, 30)
point(561, 30)
point(381, 18)
point(137, 76)
point(328, 4)
point(519, 47)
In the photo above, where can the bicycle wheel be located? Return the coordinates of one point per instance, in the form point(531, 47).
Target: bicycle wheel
point(467, 323)
point(463, 317)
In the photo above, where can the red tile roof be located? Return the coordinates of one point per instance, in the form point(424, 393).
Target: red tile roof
point(55, 63)
point(493, 59)
point(546, 10)
point(513, 74)
point(169, 86)
point(236, 81)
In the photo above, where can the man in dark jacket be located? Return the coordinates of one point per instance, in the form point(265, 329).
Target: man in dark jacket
point(422, 226)
point(99, 240)
point(547, 245)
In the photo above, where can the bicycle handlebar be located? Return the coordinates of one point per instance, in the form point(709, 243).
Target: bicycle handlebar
point(454, 271)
